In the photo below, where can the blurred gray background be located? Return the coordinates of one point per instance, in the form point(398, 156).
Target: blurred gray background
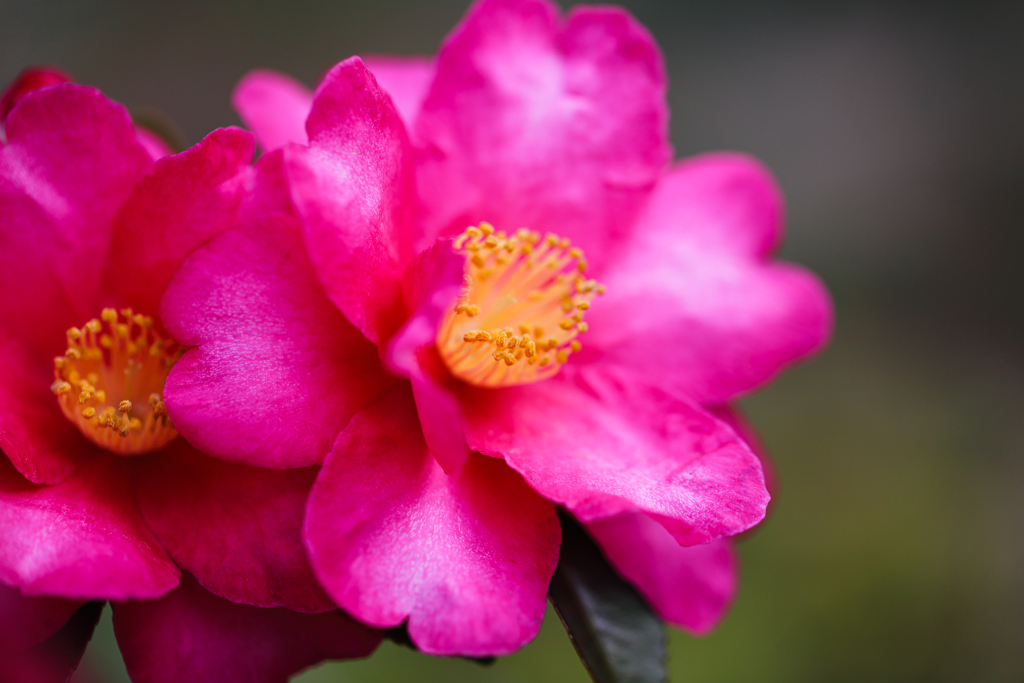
point(896, 548)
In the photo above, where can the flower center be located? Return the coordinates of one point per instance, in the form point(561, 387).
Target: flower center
point(518, 317)
point(110, 380)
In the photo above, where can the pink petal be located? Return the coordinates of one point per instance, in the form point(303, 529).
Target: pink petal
point(83, 538)
point(602, 446)
point(238, 529)
point(431, 285)
point(71, 159)
point(530, 121)
point(734, 417)
point(690, 587)
point(189, 198)
point(274, 106)
point(26, 621)
point(55, 659)
point(352, 188)
point(278, 370)
point(34, 433)
point(192, 635)
point(466, 560)
point(31, 79)
point(155, 145)
point(696, 272)
point(406, 79)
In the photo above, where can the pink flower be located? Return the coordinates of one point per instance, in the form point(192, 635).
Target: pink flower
point(456, 390)
point(99, 499)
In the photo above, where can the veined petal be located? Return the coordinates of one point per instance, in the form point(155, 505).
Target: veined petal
point(465, 559)
point(695, 301)
point(352, 190)
point(539, 123)
point(83, 538)
point(277, 370)
point(405, 79)
point(603, 445)
point(70, 161)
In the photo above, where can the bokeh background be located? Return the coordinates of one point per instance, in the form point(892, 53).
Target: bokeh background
point(895, 551)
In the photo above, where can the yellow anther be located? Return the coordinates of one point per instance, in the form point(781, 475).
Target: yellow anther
point(582, 327)
point(575, 346)
point(74, 334)
point(121, 352)
point(600, 289)
point(582, 265)
point(530, 284)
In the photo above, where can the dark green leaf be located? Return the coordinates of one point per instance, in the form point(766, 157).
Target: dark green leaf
point(618, 637)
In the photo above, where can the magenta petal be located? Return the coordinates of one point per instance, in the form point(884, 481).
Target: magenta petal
point(431, 285)
point(155, 145)
point(34, 433)
point(71, 159)
point(465, 559)
point(352, 188)
point(554, 126)
point(697, 271)
point(192, 635)
point(690, 587)
point(55, 659)
point(274, 106)
point(406, 79)
point(82, 538)
point(278, 370)
point(602, 446)
point(26, 621)
point(237, 528)
point(189, 198)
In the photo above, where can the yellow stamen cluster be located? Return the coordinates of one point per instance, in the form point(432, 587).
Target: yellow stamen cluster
point(110, 381)
point(521, 309)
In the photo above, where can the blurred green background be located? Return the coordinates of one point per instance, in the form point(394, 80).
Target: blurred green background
point(895, 551)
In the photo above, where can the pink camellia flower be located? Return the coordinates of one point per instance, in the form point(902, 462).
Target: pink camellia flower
point(99, 497)
point(577, 345)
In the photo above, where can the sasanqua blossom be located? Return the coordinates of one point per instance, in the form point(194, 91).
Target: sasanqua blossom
point(99, 497)
point(474, 288)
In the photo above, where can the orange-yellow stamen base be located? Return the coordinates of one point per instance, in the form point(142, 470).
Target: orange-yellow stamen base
point(110, 381)
point(521, 309)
